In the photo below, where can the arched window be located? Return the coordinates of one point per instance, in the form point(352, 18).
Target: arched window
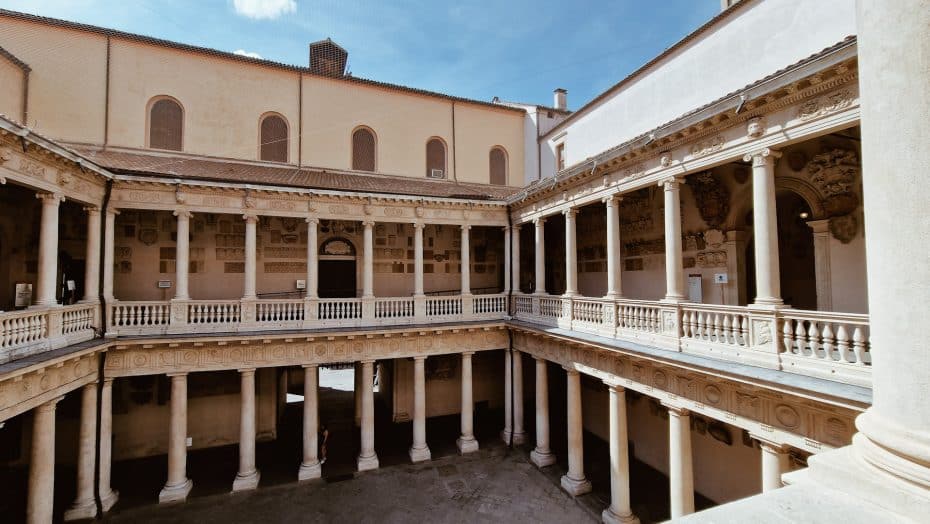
point(497, 165)
point(273, 140)
point(166, 124)
point(435, 158)
point(363, 149)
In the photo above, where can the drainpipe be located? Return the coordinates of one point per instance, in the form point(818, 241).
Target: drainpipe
point(103, 354)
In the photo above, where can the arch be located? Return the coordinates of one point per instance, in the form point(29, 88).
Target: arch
point(338, 268)
point(165, 123)
point(340, 247)
point(273, 135)
point(497, 165)
point(806, 191)
point(364, 149)
point(435, 157)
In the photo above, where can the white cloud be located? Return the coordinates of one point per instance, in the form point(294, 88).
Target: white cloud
point(259, 9)
point(249, 54)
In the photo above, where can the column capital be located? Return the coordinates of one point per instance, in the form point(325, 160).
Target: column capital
point(91, 210)
point(465, 227)
point(49, 405)
point(570, 370)
point(770, 445)
point(613, 199)
point(676, 410)
point(182, 213)
point(570, 213)
point(250, 218)
point(419, 357)
point(50, 198)
point(539, 222)
point(819, 226)
point(368, 361)
point(246, 371)
point(614, 387)
point(368, 223)
point(112, 211)
point(762, 157)
point(308, 366)
point(419, 225)
point(467, 353)
point(177, 374)
point(509, 228)
point(108, 381)
point(671, 183)
point(539, 359)
point(312, 220)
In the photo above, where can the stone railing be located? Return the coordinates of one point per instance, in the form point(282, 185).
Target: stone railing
point(833, 346)
point(35, 330)
point(193, 316)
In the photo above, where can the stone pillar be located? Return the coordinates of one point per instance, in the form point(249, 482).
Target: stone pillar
point(574, 482)
point(540, 224)
point(509, 399)
point(515, 259)
point(357, 376)
point(92, 258)
point(619, 510)
point(822, 269)
point(108, 496)
point(368, 265)
point(109, 250)
point(251, 256)
point(775, 460)
point(467, 442)
point(367, 458)
point(310, 467)
point(313, 266)
point(519, 435)
point(418, 258)
point(419, 450)
point(765, 226)
point(571, 253)
point(466, 261)
point(614, 284)
point(674, 265)
point(40, 498)
point(182, 255)
point(84, 506)
point(542, 456)
point(681, 475)
point(247, 477)
point(506, 289)
point(46, 280)
point(178, 485)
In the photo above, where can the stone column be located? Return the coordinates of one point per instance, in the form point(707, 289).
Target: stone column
point(515, 259)
point(574, 482)
point(178, 485)
point(775, 460)
point(109, 250)
point(368, 265)
point(367, 458)
point(418, 258)
point(92, 258)
point(681, 475)
point(619, 510)
point(519, 435)
point(84, 506)
point(571, 253)
point(419, 450)
point(765, 226)
point(40, 498)
point(251, 256)
point(182, 255)
point(822, 269)
point(108, 496)
point(540, 224)
point(467, 442)
point(509, 399)
point(247, 477)
point(46, 280)
point(310, 467)
point(506, 289)
point(357, 376)
point(313, 266)
point(614, 285)
point(542, 456)
point(674, 265)
point(466, 261)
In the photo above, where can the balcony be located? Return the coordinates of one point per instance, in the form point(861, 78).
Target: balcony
point(39, 329)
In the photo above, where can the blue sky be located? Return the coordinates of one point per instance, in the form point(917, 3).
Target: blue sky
point(518, 49)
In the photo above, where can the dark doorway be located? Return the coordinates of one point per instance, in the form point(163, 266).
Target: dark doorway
point(337, 278)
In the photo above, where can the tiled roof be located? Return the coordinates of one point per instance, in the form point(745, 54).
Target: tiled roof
point(131, 162)
point(240, 58)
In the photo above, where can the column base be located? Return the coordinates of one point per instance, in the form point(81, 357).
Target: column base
point(609, 517)
point(575, 487)
point(246, 482)
point(420, 454)
point(109, 500)
point(466, 445)
point(518, 438)
point(368, 463)
point(309, 471)
point(505, 436)
point(176, 493)
point(83, 511)
point(542, 458)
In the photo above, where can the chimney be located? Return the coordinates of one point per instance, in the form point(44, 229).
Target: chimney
point(559, 96)
point(328, 58)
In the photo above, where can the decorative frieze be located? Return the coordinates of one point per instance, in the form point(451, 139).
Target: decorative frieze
point(21, 392)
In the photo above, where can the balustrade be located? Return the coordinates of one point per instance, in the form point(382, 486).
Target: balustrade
point(32, 331)
point(394, 308)
point(443, 307)
point(214, 312)
point(339, 309)
point(280, 311)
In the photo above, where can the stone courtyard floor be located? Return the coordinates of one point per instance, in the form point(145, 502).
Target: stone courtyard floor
point(492, 485)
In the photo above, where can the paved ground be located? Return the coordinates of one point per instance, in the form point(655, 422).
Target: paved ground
point(489, 486)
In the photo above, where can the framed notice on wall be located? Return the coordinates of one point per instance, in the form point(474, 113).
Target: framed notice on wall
point(23, 296)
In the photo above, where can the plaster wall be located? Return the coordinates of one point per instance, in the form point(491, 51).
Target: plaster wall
point(11, 85)
point(732, 54)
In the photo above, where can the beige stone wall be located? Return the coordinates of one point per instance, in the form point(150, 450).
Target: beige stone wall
point(11, 86)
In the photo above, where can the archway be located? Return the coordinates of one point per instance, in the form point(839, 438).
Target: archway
point(337, 271)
